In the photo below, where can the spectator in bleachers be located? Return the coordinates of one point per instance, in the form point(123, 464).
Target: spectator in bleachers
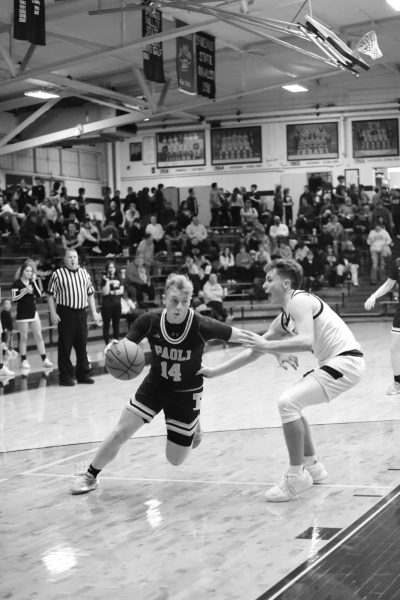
point(349, 263)
point(340, 191)
point(8, 218)
point(300, 251)
point(114, 216)
point(278, 230)
point(143, 205)
point(192, 270)
point(106, 201)
point(7, 325)
point(145, 249)
point(49, 210)
point(364, 198)
point(154, 228)
point(135, 234)
point(379, 242)
point(213, 295)
point(88, 235)
point(244, 265)
point(192, 204)
point(174, 238)
point(193, 248)
point(81, 199)
point(195, 229)
point(109, 245)
point(305, 216)
point(330, 263)
point(117, 199)
point(395, 210)
point(211, 246)
point(138, 281)
point(129, 309)
point(39, 190)
point(248, 214)
point(130, 198)
point(111, 292)
point(184, 215)
point(277, 209)
point(381, 214)
point(45, 241)
point(307, 195)
point(70, 238)
point(159, 200)
point(263, 253)
point(283, 250)
point(376, 197)
point(225, 213)
point(130, 214)
point(325, 238)
point(167, 214)
point(251, 237)
point(215, 206)
point(236, 206)
point(335, 228)
point(287, 201)
point(313, 272)
point(254, 196)
point(226, 265)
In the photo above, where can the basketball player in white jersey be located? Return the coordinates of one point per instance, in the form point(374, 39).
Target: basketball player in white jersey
point(309, 325)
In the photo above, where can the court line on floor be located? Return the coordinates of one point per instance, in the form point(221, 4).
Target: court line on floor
point(205, 481)
point(57, 462)
point(277, 590)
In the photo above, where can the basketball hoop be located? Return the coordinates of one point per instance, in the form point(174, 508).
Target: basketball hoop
point(368, 44)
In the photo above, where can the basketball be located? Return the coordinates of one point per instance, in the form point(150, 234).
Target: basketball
point(124, 360)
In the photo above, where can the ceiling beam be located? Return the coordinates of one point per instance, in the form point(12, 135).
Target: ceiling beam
point(28, 55)
point(71, 132)
point(29, 120)
point(145, 88)
point(8, 60)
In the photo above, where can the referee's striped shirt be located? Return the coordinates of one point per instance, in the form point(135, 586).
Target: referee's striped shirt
point(71, 288)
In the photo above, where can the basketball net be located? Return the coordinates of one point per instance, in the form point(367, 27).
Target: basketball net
point(368, 44)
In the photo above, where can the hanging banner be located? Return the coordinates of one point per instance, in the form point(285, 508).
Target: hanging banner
point(29, 21)
point(205, 61)
point(186, 64)
point(153, 53)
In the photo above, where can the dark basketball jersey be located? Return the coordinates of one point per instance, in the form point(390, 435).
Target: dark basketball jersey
point(394, 270)
point(177, 350)
point(26, 304)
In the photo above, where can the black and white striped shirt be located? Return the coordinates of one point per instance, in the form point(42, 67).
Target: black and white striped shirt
point(71, 288)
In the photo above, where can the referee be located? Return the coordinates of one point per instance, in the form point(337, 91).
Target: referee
point(70, 291)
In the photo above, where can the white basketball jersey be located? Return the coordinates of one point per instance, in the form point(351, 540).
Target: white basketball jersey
point(331, 334)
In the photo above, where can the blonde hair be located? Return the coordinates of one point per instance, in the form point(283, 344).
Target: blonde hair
point(180, 282)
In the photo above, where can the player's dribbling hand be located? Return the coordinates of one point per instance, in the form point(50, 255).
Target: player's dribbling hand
point(369, 303)
point(109, 345)
point(288, 360)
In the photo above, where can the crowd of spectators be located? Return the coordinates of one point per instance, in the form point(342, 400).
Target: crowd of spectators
point(333, 228)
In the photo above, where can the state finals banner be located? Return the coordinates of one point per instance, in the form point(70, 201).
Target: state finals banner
point(29, 21)
point(205, 64)
point(153, 53)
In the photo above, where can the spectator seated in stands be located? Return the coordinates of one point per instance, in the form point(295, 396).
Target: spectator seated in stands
point(300, 251)
point(71, 207)
point(263, 254)
point(335, 229)
point(244, 265)
point(130, 215)
point(278, 229)
point(349, 263)
point(213, 295)
point(129, 308)
point(313, 272)
point(70, 237)
point(184, 215)
point(146, 250)
point(305, 221)
point(89, 235)
point(226, 266)
point(45, 240)
point(174, 239)
point(196, 230)
point(108, 245)
point(330, 264)
point(49, 210)
point(135, 234)
point(192, 270)
point(8, 218)
point(283, 250)
point(167, 214)
point(138, 282)
point(382, 215)
point(193, 248)
point(157, 233)
point(114, 216)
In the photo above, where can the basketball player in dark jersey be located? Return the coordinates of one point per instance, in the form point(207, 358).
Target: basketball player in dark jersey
point(177, 337)
point(393, 278)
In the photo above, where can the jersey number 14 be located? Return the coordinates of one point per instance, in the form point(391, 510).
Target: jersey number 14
point(174, 372)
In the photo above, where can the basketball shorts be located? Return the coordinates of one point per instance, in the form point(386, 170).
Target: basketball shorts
point(338, 374)
point(181, 409)
point(396, 321)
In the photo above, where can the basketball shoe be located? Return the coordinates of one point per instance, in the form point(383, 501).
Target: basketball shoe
point(393, 389)
point(198, 436)
point(82, 483)
point(47, 363)
point(317, 471)
point(25, 364)
point(6, 372)
point(289, 486)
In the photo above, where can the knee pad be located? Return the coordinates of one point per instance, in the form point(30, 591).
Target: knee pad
point(289, 408)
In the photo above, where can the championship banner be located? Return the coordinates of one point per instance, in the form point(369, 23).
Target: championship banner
point(205, 61)
point(186, 64)
point(29, 21)
point(153, 53)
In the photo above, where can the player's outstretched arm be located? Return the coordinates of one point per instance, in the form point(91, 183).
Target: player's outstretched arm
point(381, 291)
point(240, 360)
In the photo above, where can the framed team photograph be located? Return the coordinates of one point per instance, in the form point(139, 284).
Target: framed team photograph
point(180, 149)
point(375, 137)
point(238, 145)
point(310, 141)
point(135, 151)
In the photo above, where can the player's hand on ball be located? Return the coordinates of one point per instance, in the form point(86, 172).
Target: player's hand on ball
point(288, 360)
point(109, 345)
point(369, 303)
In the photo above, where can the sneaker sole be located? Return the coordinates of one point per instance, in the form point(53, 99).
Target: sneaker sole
point(321, 477)
point(80, 492)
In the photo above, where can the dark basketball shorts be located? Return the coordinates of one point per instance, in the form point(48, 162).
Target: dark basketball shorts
point(181, 409)
point(396, 321)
